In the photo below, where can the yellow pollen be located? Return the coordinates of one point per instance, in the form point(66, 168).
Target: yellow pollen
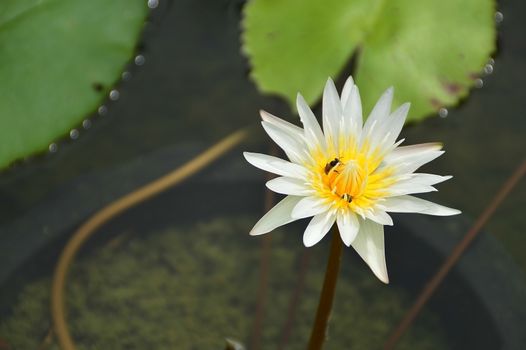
point(352, 180)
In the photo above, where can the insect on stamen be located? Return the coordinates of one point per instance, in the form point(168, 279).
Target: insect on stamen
point(331, 165)
point(347, 197)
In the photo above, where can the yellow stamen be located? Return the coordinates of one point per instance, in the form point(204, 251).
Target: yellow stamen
point(352, 179)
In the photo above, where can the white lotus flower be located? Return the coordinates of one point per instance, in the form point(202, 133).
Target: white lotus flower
point(348, 173)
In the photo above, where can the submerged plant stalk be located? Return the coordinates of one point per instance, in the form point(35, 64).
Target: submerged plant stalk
point(264, 265)
point(86, 230)
point(319, 329)
point(452, 259)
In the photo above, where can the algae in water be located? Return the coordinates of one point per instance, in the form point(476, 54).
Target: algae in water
point(191, 287)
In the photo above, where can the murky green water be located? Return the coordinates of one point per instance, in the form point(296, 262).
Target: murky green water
point(127, 290)
point(191, 287)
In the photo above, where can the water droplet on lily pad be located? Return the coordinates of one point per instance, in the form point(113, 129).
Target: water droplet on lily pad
point(74, 134)
point(488, 69)
point(86, 123)
point(499, 17)
point(126, 76)
point(114, 95)
point(153, 3)
point(139, 60)
point(103, 110)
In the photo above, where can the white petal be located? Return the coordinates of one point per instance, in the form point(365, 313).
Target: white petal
point(407, 159)
point(428, 179)
point(387, 150)
point(282, 124)
point(332, 113)
point(352, 113)
point(408, 187)
point(409, 165)
point(348, 226)
point(294, 149)
point(313, 132)
point(380, 217)
point(277, 216)
point(403, 152)
point(381, 110)
point(276, 165)
point(410, 204)
point(369, 244)
point(290, 186)
point(309, 206)
point(394, 124)
point(346, 91)
point(318, 228)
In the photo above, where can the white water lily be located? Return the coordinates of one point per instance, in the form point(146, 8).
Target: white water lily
point(349, 173)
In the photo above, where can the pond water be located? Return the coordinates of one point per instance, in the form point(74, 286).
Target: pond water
point(180, 271)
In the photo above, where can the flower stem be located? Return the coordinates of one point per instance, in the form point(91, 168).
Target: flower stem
point(323, 313)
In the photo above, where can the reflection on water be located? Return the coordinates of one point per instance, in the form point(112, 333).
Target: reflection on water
point(181, 268)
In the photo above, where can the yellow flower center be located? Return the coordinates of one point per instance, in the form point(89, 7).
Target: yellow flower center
point(352, 179)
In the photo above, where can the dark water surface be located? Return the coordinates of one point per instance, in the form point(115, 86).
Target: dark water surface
point(154, 270)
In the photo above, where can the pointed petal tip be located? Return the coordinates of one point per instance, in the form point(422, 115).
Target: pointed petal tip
point(298, 98)
point(247, 156)
point(267, 117)
point(347, 244)
point(382, 276)
point(454, 212)
point(444, 211)
point(307, 243)
point(389, 91)
point(330, 84)
point(256, 232)
point(301, 103)
point(387, 97)
point(310, 240)
point(349, 83)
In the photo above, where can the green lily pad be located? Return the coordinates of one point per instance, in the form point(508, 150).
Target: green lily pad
point(58, 60)
point(430, 51)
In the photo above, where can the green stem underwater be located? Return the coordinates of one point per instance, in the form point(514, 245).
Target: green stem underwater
point(319, 329)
